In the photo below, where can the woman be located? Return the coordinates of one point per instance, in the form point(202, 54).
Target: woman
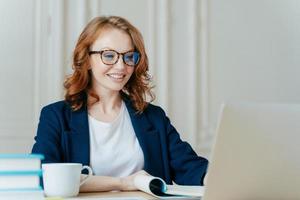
point(105, 121)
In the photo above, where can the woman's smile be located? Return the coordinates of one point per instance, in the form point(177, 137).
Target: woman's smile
point(118, 77)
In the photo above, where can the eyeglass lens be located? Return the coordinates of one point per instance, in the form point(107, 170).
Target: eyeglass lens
point(111, 57)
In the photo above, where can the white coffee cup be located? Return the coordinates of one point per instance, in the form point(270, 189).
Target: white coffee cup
point(63, 179)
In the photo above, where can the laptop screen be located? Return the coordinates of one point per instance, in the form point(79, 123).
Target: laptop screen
point(256, 154)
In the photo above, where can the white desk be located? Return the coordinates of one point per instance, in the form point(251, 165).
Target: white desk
point(107, 195)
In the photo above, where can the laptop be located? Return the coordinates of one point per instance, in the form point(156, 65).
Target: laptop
point(256, 153)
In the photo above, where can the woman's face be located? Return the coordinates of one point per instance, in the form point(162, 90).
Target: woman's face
point(110, 78)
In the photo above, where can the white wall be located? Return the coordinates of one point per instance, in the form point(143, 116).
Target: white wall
point(17, 75)
point(31, 69)
point(254, 52)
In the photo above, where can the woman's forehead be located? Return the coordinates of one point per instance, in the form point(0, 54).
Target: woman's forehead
point(113, 39)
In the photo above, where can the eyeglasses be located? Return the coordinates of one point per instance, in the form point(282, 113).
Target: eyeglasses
point(111, 57)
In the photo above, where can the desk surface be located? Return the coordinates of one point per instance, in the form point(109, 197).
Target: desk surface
point(96, 195)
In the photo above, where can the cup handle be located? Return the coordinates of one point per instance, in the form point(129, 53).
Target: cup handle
point(88, 176)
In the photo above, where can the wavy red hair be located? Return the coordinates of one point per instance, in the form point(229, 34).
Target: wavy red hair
point(78, 84)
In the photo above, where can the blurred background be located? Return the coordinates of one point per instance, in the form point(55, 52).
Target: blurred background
point(202, 53)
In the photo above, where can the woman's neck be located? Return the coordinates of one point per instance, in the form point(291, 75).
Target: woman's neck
point(108, 106)
point(109, 103)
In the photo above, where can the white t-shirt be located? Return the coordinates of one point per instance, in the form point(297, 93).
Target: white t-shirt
point(114, 148)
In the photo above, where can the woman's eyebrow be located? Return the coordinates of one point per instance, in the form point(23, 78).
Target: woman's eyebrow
point(109, 48)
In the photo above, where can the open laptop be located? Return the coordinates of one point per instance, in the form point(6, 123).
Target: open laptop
point(256, 154)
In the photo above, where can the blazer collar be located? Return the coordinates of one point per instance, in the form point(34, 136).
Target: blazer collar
point(80, 129)
point(139, 120)
point(149, 140)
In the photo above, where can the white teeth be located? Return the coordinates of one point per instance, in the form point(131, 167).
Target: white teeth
point(117, 76)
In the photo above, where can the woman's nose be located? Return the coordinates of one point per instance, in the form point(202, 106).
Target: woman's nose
point(120, 63)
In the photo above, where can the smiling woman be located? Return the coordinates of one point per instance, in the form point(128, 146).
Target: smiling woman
point(111, 73)
point(105, 121)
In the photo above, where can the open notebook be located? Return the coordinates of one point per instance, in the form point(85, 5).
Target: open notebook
point(158, 188)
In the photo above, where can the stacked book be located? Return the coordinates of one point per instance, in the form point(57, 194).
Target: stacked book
point(20, 176)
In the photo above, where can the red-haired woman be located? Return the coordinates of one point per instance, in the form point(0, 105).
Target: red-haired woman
point(105, 121)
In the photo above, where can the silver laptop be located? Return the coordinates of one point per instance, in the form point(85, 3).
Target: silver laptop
point(256, 154)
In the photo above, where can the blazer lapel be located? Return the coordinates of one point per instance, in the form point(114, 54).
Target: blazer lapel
point(149, 140)
point(79, 137)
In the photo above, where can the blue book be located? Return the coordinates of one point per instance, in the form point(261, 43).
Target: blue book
point(21, 180)
point(20, 162)
point(23, 194)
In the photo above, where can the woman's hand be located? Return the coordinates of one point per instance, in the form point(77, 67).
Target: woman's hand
point(107, 183)
point(127, 183)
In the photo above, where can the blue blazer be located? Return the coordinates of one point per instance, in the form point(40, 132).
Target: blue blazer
point(63, 136)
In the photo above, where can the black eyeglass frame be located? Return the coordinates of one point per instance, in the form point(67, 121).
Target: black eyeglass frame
point(118, 53)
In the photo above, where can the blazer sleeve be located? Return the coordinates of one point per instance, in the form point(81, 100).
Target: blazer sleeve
point(47, 139)
point(187, 168)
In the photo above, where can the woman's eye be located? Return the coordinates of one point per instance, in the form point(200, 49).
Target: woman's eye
point(108, 56)
point(129, 57)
